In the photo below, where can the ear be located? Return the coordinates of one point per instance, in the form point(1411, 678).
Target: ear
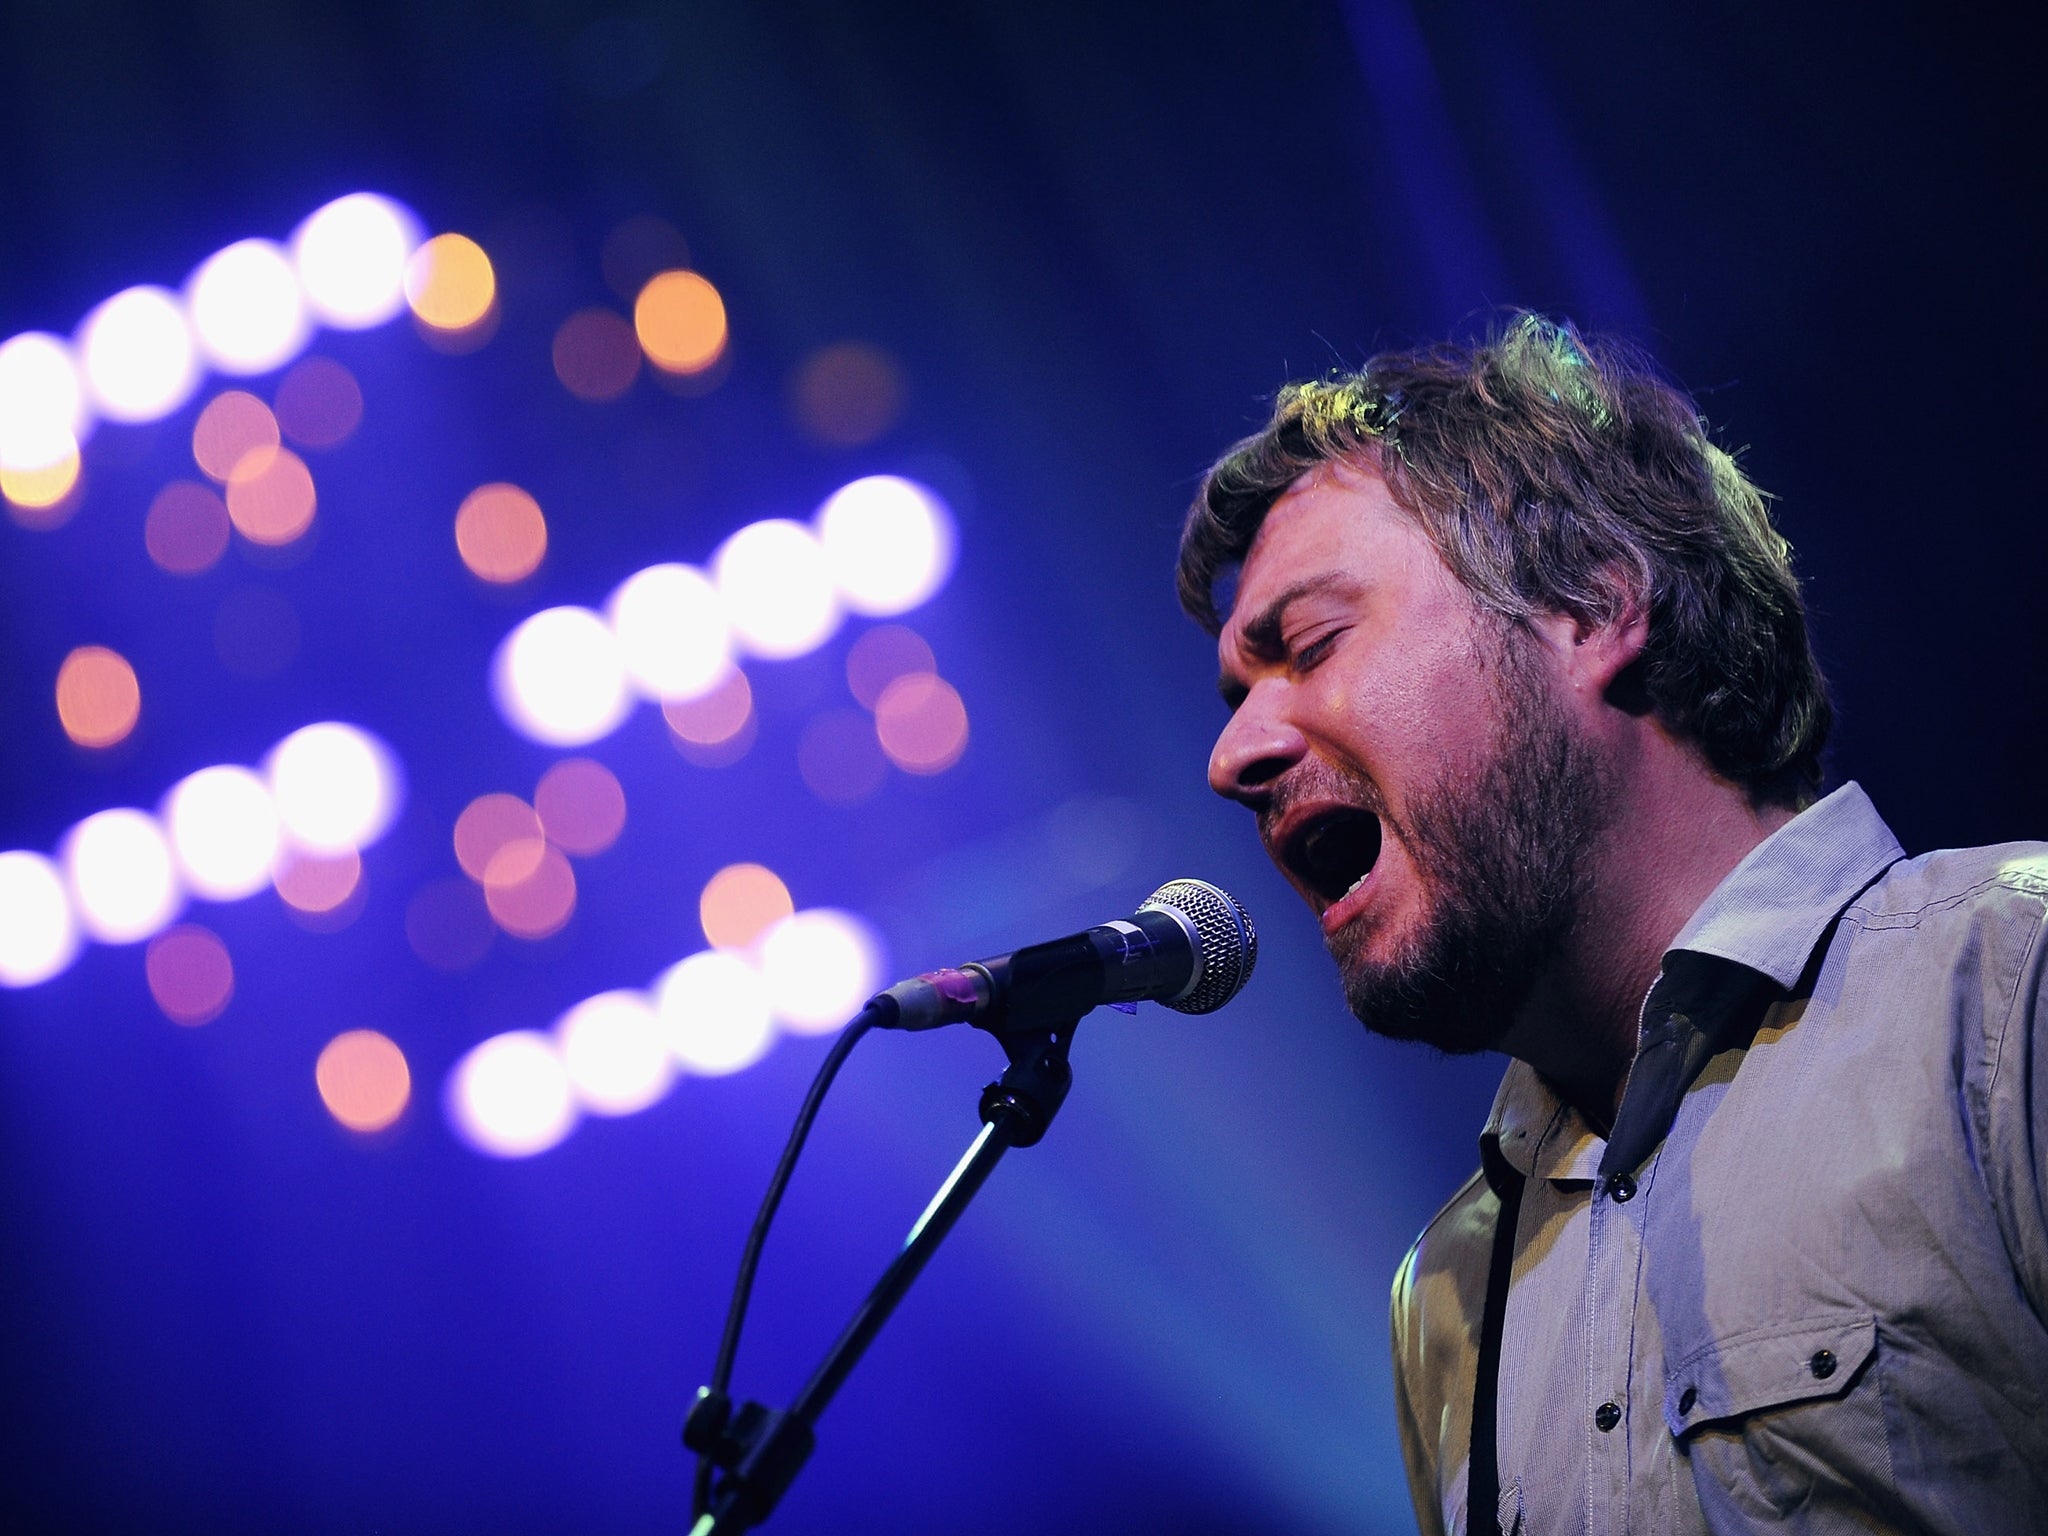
point(1599, 658)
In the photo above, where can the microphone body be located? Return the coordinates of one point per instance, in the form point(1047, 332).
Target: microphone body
point(1190, 947)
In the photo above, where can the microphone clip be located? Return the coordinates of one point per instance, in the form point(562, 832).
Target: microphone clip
point(1031, 1092)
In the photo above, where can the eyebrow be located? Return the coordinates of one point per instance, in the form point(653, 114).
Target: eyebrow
point(1262, 633)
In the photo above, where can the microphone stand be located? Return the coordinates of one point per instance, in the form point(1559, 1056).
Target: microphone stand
point(760, 1450)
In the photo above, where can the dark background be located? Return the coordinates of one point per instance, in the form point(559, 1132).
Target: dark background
point(1096, 238)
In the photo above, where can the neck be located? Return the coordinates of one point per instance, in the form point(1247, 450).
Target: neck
point(1677, 832)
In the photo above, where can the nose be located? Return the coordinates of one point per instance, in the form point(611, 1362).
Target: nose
point(1258, 745)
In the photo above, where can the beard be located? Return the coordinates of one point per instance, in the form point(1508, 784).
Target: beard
point(1503, 858)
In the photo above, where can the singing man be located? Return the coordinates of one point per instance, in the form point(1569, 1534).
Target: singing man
point(1522, 698)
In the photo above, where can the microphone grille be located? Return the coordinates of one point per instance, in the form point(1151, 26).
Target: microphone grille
point(1230, 945)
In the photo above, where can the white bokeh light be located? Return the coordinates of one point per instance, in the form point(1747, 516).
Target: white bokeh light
point(246, 307)
point(819, 967)
point(559, 678)
point(137, 355)
point(889, 543)
point(671, 629)
point(614, 1051)
point(336, 787)
point(38, 934)
point(777, 588)
point(122, 880)
point(351, 257)
point(224, 832)
point(510, 1095)
point(42, 401)
point(715, 1012)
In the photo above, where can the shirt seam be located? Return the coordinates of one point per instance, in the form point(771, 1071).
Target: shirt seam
point(2017, 880)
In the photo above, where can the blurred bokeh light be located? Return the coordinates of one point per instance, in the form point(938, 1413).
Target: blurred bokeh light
point(922, 723)
point(449, 283)
point(318, 403)
point(234, 425)
point(325, 886)
point(224, 832)
point(487, 824)
point(596, 357)
point(39, 494)
point(530, 889)
point(336, 786)
point(615, 1053)
point(880, 656)
point(718, 728)
point(190, 974)
point(672, 633)
point(680, 321)
point(511, 1096)
point(363, 1079)
point(846, 394)
point(888, 542)
point(98, 697)
point(559, 678)
point(777, 589)
point(124, 885)
point(42, 401)
point(246, 309)
point(270, 497)
point(351, 258)
point(500, 533)
point(740, 903)
point(715, 1012)
point(138, 356)
point(38, 931)
point(581, 806)
point(819, 966)
point(186, 528)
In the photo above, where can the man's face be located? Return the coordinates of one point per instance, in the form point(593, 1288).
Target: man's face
point(1414, 774)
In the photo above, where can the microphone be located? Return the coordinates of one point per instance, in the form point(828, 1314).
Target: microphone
point(1190, 946)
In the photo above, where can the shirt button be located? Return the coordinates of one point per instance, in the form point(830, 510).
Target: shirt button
point(1686, 1399)
point(1621, 1189)
point(1822, 1364)
point(1606, 1416)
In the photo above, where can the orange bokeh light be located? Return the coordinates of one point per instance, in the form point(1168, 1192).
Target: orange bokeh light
point(530, 889)
point(921, 723)
point(596, 357)
point(270, 497)
point(319, 403)
point(680, 320)
point(581, 806)
point(882, 655)
point(487, 824)
point(717, 717)
point(190, 974)
point(500, 533)
point(234, 425)
point(317, 884)
point(36, 494)
point(363, 1079)
point(186, 529)
point(847, 394)
point(449, 283)
point(98, 698)
point(740, 903)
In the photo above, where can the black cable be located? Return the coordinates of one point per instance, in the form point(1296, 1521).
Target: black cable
point(877, 1010)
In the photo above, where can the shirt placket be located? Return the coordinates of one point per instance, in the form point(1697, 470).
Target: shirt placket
point(1614, 1248)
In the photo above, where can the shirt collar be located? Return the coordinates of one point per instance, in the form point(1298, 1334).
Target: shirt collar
point(1762, 921)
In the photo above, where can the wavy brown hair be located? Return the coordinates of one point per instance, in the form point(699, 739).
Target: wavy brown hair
point(1560, 473)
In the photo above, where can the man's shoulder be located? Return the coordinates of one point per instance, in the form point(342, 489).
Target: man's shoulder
point(1457, 1241)
point(1972, 883)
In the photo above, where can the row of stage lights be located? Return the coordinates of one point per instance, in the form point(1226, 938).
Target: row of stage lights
point(673, 633)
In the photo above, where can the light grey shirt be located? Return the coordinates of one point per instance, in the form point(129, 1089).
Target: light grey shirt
point(1819, 1303)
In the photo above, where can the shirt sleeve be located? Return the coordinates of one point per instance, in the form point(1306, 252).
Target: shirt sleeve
point(1417, 1449)
point(2016, 1105)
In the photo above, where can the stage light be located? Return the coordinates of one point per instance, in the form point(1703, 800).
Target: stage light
point(246, 308)
point(680, 320)
point(595, 355)
point(449, 283)
point(270, 497)
point(234, 425)
point(122, 880)
point(672, 633)
point(510, 1095)
point(319, 885)
point(819, 967)
point(38, 933)
point(714, 1013)
point(224, 831)
point(186, 528)
point(530, 889)
point(351, 257)
point(889, 543)
point(581, 805)
point(363, 1079)
point(921, 723)
point(487, 824)
point(318, 403)
point(190, 974)
point(883, 654)
point(138, 356)
point(614, 1052)
point(500, 533)
point(336, 787)
point(559, 678)
point(777, 589)
point(740, 903)
point(98, 698)
point(42, 400)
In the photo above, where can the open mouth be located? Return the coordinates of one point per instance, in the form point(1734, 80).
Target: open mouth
point(1332, 853)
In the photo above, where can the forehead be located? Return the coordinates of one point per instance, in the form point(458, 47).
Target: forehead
point(1337, 521)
